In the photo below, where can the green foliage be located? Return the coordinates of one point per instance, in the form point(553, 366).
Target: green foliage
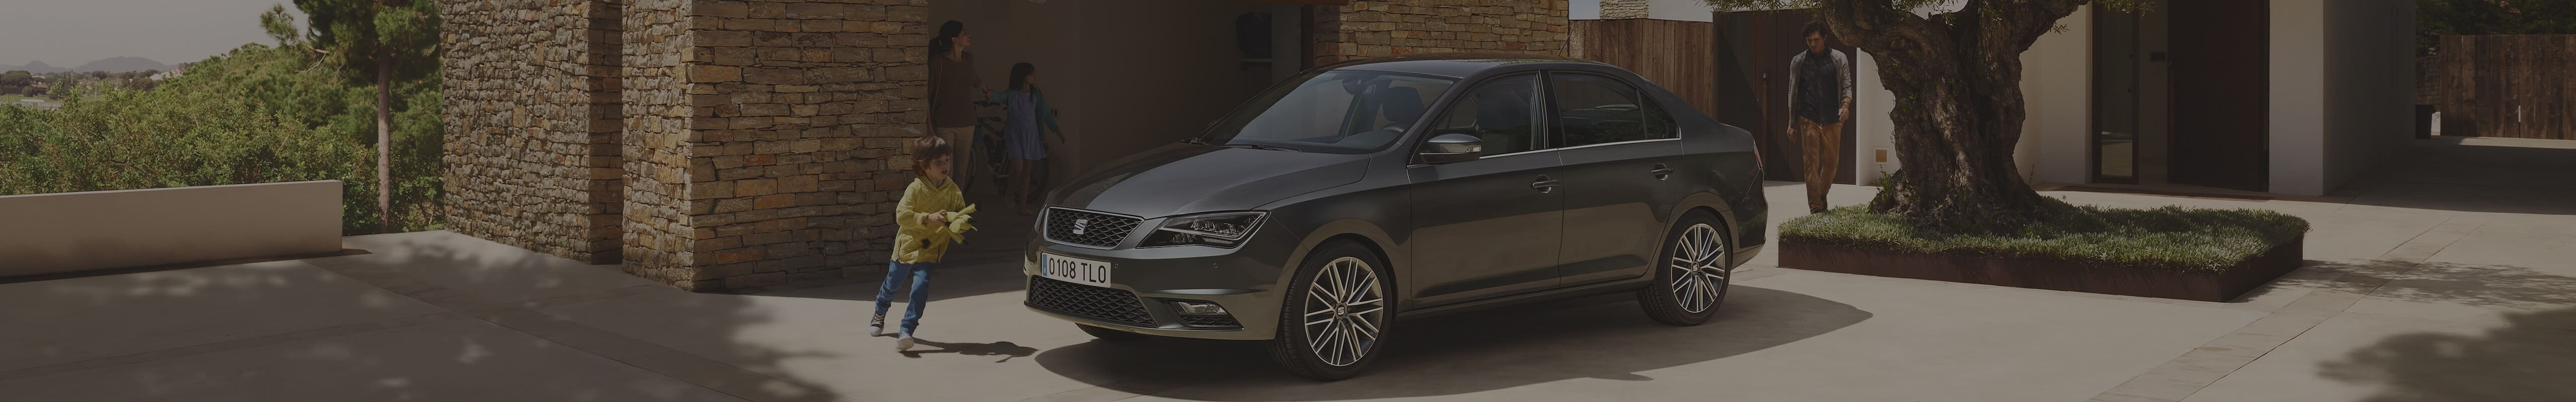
point(132, 139)
point(356, 34)
point(256, 114)
point(2167, 238)
point(2435, 18)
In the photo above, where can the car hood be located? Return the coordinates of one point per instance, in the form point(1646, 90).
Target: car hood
point(1187, 178)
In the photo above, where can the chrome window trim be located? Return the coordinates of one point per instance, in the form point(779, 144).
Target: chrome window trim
point(1619, 143)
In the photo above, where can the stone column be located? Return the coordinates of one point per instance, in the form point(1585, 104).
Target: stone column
point(530, 116)
point(765, 136)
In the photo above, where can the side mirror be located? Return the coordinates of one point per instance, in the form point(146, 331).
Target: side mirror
point(1452, 148)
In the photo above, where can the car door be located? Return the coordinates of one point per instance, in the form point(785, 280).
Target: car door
point(1619, 150)
point(1488, 227)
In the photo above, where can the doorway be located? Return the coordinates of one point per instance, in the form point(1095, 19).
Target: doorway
point(2221, 81)
point(2116, 96)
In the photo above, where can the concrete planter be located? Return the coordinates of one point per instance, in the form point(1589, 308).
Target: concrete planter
point(2047, 274)
point(44, 234)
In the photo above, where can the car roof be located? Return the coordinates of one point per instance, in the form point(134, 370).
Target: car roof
point(1457, 65)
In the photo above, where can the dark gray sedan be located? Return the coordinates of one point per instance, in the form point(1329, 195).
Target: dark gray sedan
point(1351, 197)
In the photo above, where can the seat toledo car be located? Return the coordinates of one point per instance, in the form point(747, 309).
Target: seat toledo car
point(1319, 215)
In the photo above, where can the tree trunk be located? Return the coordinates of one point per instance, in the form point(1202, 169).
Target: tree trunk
point(384, 145)
point(1959, 108)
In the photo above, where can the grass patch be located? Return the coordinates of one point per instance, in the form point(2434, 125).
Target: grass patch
point(2167, 238)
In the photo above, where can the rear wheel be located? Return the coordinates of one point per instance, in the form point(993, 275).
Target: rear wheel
point(1691, 282)
point(1334, 321)
point(1110, 335)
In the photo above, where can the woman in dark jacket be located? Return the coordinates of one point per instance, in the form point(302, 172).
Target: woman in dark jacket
point(954, 88)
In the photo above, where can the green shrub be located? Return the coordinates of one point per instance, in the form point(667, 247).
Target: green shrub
point(2170, 238)
point(254, 115)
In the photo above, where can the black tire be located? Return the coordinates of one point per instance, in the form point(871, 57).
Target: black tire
point(1111, 335)
point(1671, 299)
point(1295, 346)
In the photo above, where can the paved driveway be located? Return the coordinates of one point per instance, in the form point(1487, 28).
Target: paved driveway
point(2450, 278)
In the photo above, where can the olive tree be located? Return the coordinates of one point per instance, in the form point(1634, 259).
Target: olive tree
point(1955, 69)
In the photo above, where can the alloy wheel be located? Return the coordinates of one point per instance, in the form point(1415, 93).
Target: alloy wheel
point(1699, 269)
point(1345, 311)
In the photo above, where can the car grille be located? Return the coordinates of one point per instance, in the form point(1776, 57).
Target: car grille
point(1092, 302)
point(1098, 229)
point(1210, 322)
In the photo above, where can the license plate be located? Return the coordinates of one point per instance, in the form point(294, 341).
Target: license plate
point(1076, 270)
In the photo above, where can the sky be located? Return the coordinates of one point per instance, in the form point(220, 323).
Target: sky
point(67, 33)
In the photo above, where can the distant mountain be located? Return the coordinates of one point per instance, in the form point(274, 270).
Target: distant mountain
point(34, 67)
point(111, 64)
point(122, 64)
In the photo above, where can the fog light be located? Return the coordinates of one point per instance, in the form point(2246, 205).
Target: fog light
point(1197, 308)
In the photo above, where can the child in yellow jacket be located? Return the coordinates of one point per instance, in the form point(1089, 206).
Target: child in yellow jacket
point(923, 235)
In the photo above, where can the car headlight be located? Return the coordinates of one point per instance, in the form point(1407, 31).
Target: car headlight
point(1222, 229)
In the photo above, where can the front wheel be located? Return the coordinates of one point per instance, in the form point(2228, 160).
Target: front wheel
point(1334, 321)
point(1691, 282)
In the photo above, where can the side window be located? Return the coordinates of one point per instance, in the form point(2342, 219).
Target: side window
point(1504, 112)
point(1599, 110)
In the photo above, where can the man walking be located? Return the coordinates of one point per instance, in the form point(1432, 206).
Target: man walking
point(1820, 97)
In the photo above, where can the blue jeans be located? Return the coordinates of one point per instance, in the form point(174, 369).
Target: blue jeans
point(895, 273)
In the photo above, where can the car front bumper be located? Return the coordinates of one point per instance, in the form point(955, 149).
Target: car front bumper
point(1152, 278)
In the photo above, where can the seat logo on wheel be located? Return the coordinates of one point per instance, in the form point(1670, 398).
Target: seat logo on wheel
point(1078, 224)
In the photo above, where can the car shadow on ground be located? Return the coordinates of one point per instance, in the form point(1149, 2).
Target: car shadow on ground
point(1606, 337)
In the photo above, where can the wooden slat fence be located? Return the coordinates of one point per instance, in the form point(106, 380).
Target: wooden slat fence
point(1674, 54)
point(2519, 86)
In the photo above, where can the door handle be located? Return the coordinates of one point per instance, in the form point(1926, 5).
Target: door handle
point(1661, 172)
point(1544, 184)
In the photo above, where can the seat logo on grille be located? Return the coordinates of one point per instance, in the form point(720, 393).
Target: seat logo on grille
point(1078, 224)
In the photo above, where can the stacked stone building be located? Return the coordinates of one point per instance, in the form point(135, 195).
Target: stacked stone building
point(731, 144)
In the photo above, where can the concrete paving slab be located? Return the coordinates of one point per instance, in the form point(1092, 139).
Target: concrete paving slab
point(1799, 336)
point(69, 320)
point(454, 360)
point(2360, 357)
point(990, 335)
point(2547, 244)
point(486, 270)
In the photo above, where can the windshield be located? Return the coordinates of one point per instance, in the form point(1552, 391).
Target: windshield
point(1340, 111)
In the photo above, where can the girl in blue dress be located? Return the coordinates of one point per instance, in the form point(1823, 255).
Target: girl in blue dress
point(1026, 119)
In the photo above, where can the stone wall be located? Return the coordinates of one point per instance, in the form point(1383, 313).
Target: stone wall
point(531, 124)
point(769, 136)
point(1624, 9)
point(736, 144)
point(1371, 28)
point(658, 236)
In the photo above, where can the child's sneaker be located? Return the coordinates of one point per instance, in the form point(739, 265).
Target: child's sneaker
point(876, 326)
point(903, 341)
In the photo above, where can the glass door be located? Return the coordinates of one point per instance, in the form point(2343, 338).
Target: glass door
point(2115, 96)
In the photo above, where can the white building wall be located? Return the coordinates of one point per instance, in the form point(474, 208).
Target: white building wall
point(1680, 10)
point(2057, 88)
point(2369, 92)
point(2298, 101)
point(1583, 9)
point(1875, 132)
